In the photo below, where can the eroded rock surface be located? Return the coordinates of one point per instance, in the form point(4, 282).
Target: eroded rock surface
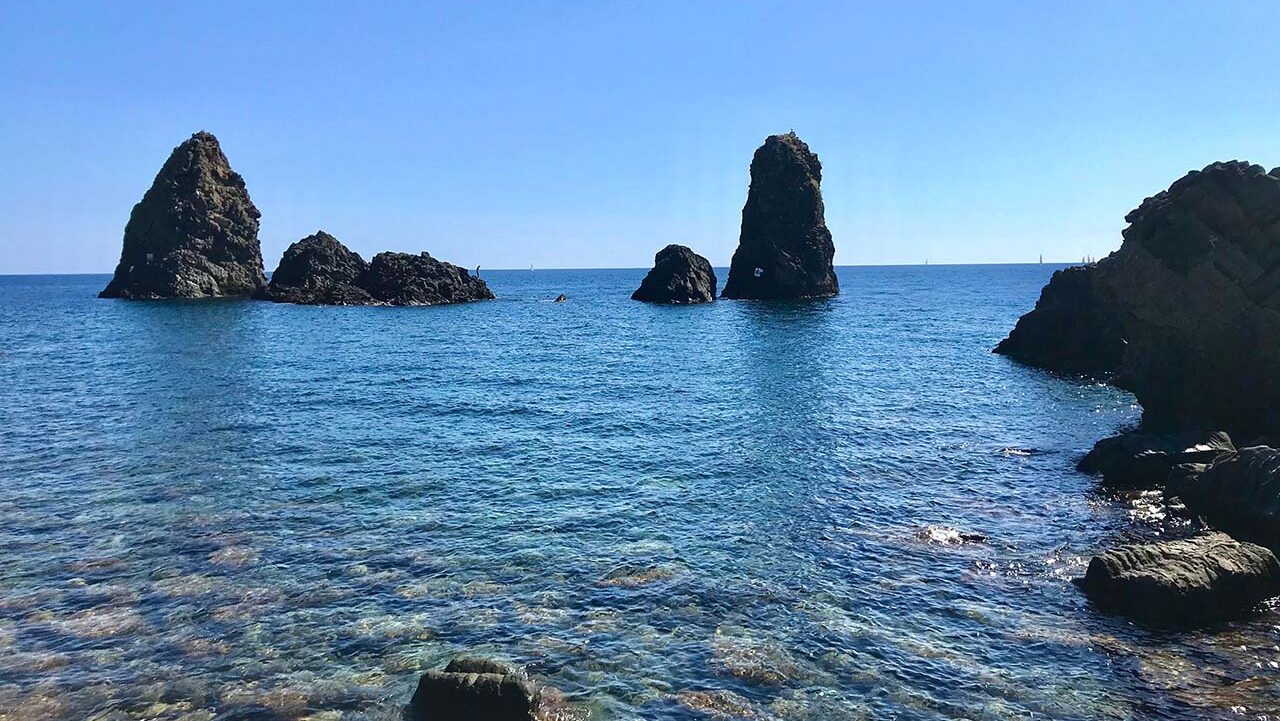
point(1240, 494)
point(319, 270)
point(784, 250)
point(406, 279)
point(679, 276)
point(469, 689)
point(194, 233)
point(1144, 460)
point(1185, 582)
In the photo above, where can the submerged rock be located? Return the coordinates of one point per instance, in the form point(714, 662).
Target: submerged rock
point(1187, 582)
point(319, 270)
point(405, 279)
point(1195, 292)
point(1144, 460)
point(469, 689)
point(785, 249)
point(1239, 494)
point(194, 233)
point(679, 276)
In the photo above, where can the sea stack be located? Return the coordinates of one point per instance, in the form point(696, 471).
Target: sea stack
point(1186, 314)
point(194, 233)
point(406, 279)
point(679, 276)
point(784, 250)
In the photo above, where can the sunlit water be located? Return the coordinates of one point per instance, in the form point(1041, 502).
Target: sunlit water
point(733, 510)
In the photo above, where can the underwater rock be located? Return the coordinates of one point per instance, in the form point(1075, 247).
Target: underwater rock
point(1195, 292)
point(319, 270)
point(1144, 460)
point(679, 276)
point(1239, 494)
point(1186, 582)
point(406, 279)
point(472, 688)
point(194, 233)
point(785, 249)
point(948, 536)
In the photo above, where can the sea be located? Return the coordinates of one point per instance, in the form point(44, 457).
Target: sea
point(821, 510)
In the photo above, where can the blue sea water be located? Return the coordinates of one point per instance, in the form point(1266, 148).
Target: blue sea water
point(736, 510)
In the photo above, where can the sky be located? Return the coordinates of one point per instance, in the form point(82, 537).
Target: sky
point(591, 134)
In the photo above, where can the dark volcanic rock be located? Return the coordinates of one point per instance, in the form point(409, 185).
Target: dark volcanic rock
point(1240, 494)
point(319, 270)
point(193, 234)
point(1144, 460)
point(1073, 328)
point(473, 689)
point(679, 276)
point(405, 279)
point(1195, 290)
point(785, 249)
point(1187, 582)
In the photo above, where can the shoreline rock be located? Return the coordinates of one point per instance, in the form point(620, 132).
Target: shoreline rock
point(785, 249)
point(194, 234)
point(679, 276)
point(1239, 494)
point(1145, 460)
point(474, 688)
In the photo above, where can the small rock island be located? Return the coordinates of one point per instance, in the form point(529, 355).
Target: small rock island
point(194, 234)
point(784, 250)
point(679, 276)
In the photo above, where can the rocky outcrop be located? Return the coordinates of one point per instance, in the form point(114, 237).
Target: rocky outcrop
point(319, 270)
point(469, 689)
point(1195, 292)
point(405, 279)
point(679, 276)
point(785, 249)
point(194, 233)
point(1240, 494)
point(1144, 460)
point(1186, 582)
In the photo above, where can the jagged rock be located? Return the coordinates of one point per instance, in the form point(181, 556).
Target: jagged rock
point(1144, 460)
point(1187, 582)
point(319, 270)
point(561, 298)
point(404, 279)
point(193, 234)
point(1195, 290)
point(470, 689)
point(1072, 329)
point(679, 276)
point(1240, 494)
point(785, 249)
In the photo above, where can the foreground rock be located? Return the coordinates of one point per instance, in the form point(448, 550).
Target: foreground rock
point(194, 233)
point(1240, 494)
point(785, 249)
point(405, 279)
point(1183, 583)
point(1144, 460)
point(319, 270)
point(679, 276)
point(470, 689)
point(1194, 294)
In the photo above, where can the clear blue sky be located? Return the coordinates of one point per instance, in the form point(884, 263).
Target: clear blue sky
point(591, 134)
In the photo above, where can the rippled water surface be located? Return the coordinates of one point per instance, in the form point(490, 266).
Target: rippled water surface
point(739, 510)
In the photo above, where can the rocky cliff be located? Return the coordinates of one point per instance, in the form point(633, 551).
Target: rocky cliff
point(785, 249)
point(194, 233)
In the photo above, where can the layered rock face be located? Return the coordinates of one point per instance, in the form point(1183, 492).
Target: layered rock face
point(319, 270)
point(1240, 494)
point(194, 233)
point(785, 249)
point(470, 689)
point(1185, 582)
point(1195, 292)
point(679, 276)
point(1144, 460)
point(406, 279)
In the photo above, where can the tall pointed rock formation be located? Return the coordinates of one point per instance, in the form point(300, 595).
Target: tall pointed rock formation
point(785, 249)
point(195, 232)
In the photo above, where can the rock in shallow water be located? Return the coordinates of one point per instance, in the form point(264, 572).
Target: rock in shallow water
point(194, 233)
point(785, 249)
point(1195, 293)
point(469, 689)
point(679, 276)
point(1144, 460)
point(1240, 494)
point(1186, 582)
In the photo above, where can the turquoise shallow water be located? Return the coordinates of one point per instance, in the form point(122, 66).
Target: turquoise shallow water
point(667, 513)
